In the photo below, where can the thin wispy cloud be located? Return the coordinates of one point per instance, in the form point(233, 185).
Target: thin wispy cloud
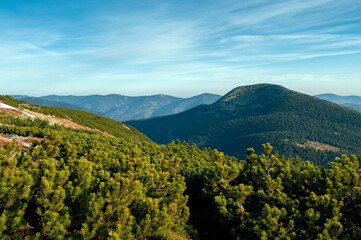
point(170, 44)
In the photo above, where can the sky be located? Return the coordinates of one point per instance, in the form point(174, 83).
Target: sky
point(181, 48)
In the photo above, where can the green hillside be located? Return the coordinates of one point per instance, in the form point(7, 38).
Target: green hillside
point(86, 119)
point(296, 124)
point(79, 184)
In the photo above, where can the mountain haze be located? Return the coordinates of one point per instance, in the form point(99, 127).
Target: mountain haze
point(295, 123)
point(48, 103)
point(356, 107)
point(352, 102)
point(122, 108)
point(340, 99)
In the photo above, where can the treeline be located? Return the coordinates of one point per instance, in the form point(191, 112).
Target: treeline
point(82, 185)
point(78, 184)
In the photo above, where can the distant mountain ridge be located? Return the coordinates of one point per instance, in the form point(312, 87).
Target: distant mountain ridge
point(248, 116)
point(48, 103)
point(122, 108)
point(340, 99)
point(353, 102)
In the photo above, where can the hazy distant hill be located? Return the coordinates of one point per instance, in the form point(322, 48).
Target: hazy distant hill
point(353, 102)
point(340, 99)
point(356, 107)
point(49, 103)
point(122, 108)
point(294, 123)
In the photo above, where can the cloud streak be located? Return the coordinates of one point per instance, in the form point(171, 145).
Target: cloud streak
point(166, 43)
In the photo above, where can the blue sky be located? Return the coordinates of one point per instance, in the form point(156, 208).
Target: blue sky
point(181, 48)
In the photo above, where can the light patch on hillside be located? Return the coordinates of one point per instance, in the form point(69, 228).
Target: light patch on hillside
point(3, 105)
point(23, 142)
point(7, 108)
point(316, 145)
point(65, 122)
point(125, 127)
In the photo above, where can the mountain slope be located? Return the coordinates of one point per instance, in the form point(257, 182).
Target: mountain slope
point(296, 124)
point(74, 118)
point(122, 108)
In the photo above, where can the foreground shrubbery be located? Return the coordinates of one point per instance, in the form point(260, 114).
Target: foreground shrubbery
point(82, 185)
point(271, 197)
point(78, 185)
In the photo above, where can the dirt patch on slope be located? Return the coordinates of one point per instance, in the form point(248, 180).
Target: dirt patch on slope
point(71, 124)
point(50, 118)
point(319, 146)
point(23, 142)
point(12, 112)
point(65, 122)
point(316, 145)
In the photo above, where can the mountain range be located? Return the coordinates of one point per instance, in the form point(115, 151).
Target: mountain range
point(294, 123)
point(121, 107)
point(48, 103)
point(353, 102)
point(69, 174)
point(248, 116)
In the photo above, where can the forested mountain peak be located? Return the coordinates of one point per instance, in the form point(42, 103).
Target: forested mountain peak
point(257, 93)
point(250, 100)
point(295, 123)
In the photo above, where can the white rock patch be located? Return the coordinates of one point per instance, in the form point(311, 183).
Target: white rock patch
point(3, 105)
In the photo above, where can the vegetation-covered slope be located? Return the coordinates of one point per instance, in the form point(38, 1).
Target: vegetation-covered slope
point(82, 118)
point(295, 123)
point(79, 184)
